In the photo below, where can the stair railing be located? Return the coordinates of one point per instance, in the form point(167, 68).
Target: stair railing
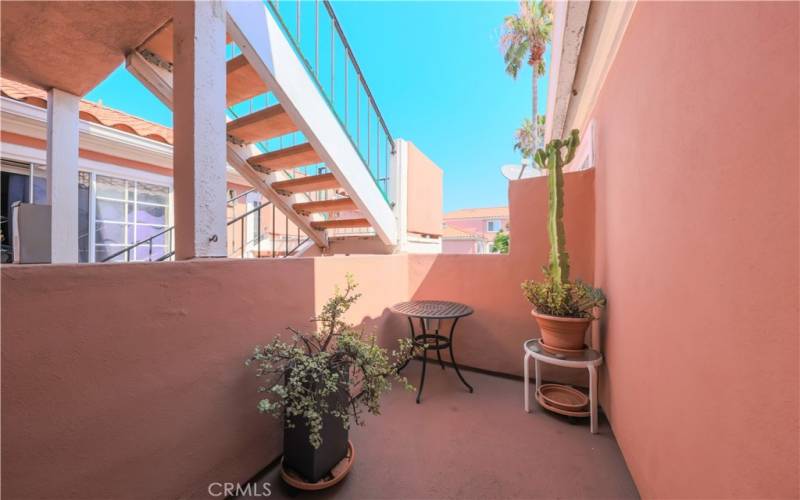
point(254, 243)
point(319, 42)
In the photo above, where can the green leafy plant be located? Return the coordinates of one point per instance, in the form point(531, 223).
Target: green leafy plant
point(572, 299)
point(500, 244)
point(556, 295)
point(299, 377)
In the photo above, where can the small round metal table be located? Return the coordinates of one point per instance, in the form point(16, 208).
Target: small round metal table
point(431, 340)
point(588, 359)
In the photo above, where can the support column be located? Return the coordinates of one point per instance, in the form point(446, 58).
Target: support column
point(62, 175)
point(199, 129)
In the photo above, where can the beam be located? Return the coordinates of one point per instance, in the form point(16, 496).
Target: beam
point(62, 174)
point(569, 22)
point(157, 79)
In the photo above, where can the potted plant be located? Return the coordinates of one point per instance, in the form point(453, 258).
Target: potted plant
point(562, 308)
point(320, 381)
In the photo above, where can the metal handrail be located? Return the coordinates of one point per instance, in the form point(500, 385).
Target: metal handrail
point(299, 244)
point(355, 139)
point(357, 68)
point(149, 240)
point(127, 250)
point(252, 210)
point(239, 196)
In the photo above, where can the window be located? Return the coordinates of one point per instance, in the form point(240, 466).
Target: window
point(494, 225)
point(127, 212)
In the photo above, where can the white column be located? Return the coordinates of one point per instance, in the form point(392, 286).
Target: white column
point(199, 129)
point(62, 175)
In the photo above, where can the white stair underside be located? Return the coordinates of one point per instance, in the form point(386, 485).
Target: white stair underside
point(272, 57)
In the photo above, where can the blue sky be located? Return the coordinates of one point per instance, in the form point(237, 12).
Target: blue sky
point(437, 74)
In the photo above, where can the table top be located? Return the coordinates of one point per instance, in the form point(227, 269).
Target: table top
point(587, 357)
point(432, 309)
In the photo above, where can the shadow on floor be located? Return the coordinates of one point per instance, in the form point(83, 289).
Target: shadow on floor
point(481, 445)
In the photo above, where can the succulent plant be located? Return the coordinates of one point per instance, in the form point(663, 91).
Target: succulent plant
point(552, 159)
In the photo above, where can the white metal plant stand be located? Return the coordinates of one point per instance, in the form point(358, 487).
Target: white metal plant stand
point(588, 359)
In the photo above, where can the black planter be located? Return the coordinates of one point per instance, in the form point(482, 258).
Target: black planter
point(300, 456)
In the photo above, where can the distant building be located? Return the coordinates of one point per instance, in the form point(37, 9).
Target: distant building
point(472, 230)
point(455, 240)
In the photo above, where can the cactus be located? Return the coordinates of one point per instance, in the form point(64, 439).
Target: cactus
point(552, 160)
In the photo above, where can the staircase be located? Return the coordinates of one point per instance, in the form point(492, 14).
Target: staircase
point(323, 163)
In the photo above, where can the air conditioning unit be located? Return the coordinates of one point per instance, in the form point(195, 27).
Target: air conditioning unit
point(31, 233)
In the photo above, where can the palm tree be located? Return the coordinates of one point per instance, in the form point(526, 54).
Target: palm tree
point(526, 35)
point(525, 139)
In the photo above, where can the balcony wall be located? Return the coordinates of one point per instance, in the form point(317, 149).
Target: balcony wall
point(129, 378)
point(492, 338)
point(697, 248)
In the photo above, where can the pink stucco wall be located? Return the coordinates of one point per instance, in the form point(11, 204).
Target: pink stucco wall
point(491, 339)
point(697, 248)
point(127, 380)
point(130, 377)
point(424, 193)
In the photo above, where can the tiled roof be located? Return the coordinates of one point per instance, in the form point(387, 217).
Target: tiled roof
point(458, 233)
point(91, 112)
point(477, 213)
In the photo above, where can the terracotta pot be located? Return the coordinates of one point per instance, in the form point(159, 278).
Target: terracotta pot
point(562, 333)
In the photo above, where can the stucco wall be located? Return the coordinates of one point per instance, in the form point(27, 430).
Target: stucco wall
point(492, 338)
point(424, 193)
point(130, 377)
point(127, 380)
point(697, 224)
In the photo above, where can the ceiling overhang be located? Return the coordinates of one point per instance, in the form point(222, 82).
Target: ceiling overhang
point(73, 46)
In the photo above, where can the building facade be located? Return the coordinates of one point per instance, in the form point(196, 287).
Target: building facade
point(472, 230)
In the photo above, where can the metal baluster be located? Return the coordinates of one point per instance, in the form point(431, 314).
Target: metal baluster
point(258, 232)
point(298, 23)
point(368, 137)
point(273, 230)
point(358, 116)
point(316, 40)
point(386, 161)
point(345, 89)
point(150, 250)
point(333, 67)
point(242, 231)
point(286, 237)
point(377, 147)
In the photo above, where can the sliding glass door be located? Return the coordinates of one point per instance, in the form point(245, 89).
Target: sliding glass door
point(125, 212)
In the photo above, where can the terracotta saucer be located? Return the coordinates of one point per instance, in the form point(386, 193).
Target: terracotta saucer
point(564, 397)
point(561, 411)
point(336, 474)
point(558, 350)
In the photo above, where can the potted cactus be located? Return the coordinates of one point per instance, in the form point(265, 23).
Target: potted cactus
point(562, 308)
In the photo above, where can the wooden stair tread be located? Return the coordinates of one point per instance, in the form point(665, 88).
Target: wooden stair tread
point(306, 184)
point(262, 125)
point(340, 224)
point(243, 82)
point(334, 205)
point(286, 158)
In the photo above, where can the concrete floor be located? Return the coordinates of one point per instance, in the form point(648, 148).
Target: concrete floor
point(481, 445)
